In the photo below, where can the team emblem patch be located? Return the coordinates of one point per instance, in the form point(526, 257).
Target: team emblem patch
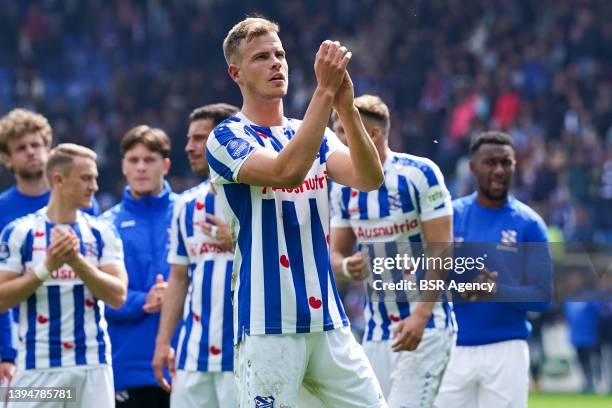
point(395, 201)
point(237, 148)
point(5, 252)
point(264, 402)
point(90, 249)
point(508, 237)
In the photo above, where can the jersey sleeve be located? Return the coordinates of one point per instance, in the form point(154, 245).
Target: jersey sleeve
point(11, 255)
point(330, 144)
point(177, 254)
point(227, 149)
point(339, 216)
point(434, 197)
point(112, 248)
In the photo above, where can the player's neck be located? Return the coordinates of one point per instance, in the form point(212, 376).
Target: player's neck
point(60, 212)
point(383, 152)
point(153, 193)
point(34, 187)
point(487, 202)
point(263, 112)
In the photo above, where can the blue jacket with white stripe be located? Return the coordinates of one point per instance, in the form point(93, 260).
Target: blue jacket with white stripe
point(143, 225)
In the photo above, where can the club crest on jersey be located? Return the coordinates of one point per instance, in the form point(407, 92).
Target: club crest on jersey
point(5, 252)
point(395, 201)
point(264, 402)
point(237, 148)
point(508, 237)
point(90, 249)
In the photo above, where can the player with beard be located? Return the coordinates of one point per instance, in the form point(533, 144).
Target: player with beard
point(25, 142)
point(201, 257)
point(490, 365)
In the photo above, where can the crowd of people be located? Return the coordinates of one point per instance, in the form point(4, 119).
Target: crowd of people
point(537, 69)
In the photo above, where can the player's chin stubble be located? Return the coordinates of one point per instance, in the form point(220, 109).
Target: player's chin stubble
point(31, 175)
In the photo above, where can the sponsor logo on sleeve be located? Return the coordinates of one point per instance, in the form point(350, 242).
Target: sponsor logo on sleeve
point(435, 196)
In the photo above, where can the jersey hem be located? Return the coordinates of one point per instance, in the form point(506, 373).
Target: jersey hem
point(262, 331)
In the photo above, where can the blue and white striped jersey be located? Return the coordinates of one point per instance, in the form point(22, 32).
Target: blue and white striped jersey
point(413, 192)
point(206, 338)
point(61, 324)
point(284, 282)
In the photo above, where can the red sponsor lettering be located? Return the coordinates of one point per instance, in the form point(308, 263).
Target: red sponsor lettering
point(310, 184)
point(63, 273)
point(374, 232)
point(202, 248)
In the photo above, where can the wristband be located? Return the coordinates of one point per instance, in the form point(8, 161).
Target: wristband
point(345, 271)
point(41, 272)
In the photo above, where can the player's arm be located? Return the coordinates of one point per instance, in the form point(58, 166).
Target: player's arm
point(7, 350)
point(6, 337)
point(289, 167)
point(107, 283)
point(132, 309)
point(535, 292)
point(410, 330)
point(357, 166)
point(345, 264)
point(438, 232)
point(171, 311)
point(16, 287)
point(341, 250)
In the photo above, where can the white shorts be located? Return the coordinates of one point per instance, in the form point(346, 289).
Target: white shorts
point(93, 386)
point(493, 375)
point(411, 379)
point(271, 370)
point(195, 389)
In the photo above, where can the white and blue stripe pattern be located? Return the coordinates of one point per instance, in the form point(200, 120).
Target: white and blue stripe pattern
point(61, 324)
point(206, 338)
point(390, 219)
point(284, 283)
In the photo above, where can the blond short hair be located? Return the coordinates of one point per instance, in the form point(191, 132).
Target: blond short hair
point(247, 29)
point(19, 122)
point(373, 107)
point(62, 157)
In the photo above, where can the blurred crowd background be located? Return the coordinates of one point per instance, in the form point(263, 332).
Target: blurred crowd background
point(539, 69)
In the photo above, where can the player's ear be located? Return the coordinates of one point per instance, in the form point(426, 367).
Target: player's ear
point(376, 133)
point(123, 167)
point(234, 73)
point(472, 166)
point(167, 165)
point(57, 176)
point(5, 159)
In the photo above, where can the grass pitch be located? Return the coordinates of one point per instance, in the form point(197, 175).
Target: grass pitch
point(569, 401)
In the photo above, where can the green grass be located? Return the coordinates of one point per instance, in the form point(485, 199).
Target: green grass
point(569, 401)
